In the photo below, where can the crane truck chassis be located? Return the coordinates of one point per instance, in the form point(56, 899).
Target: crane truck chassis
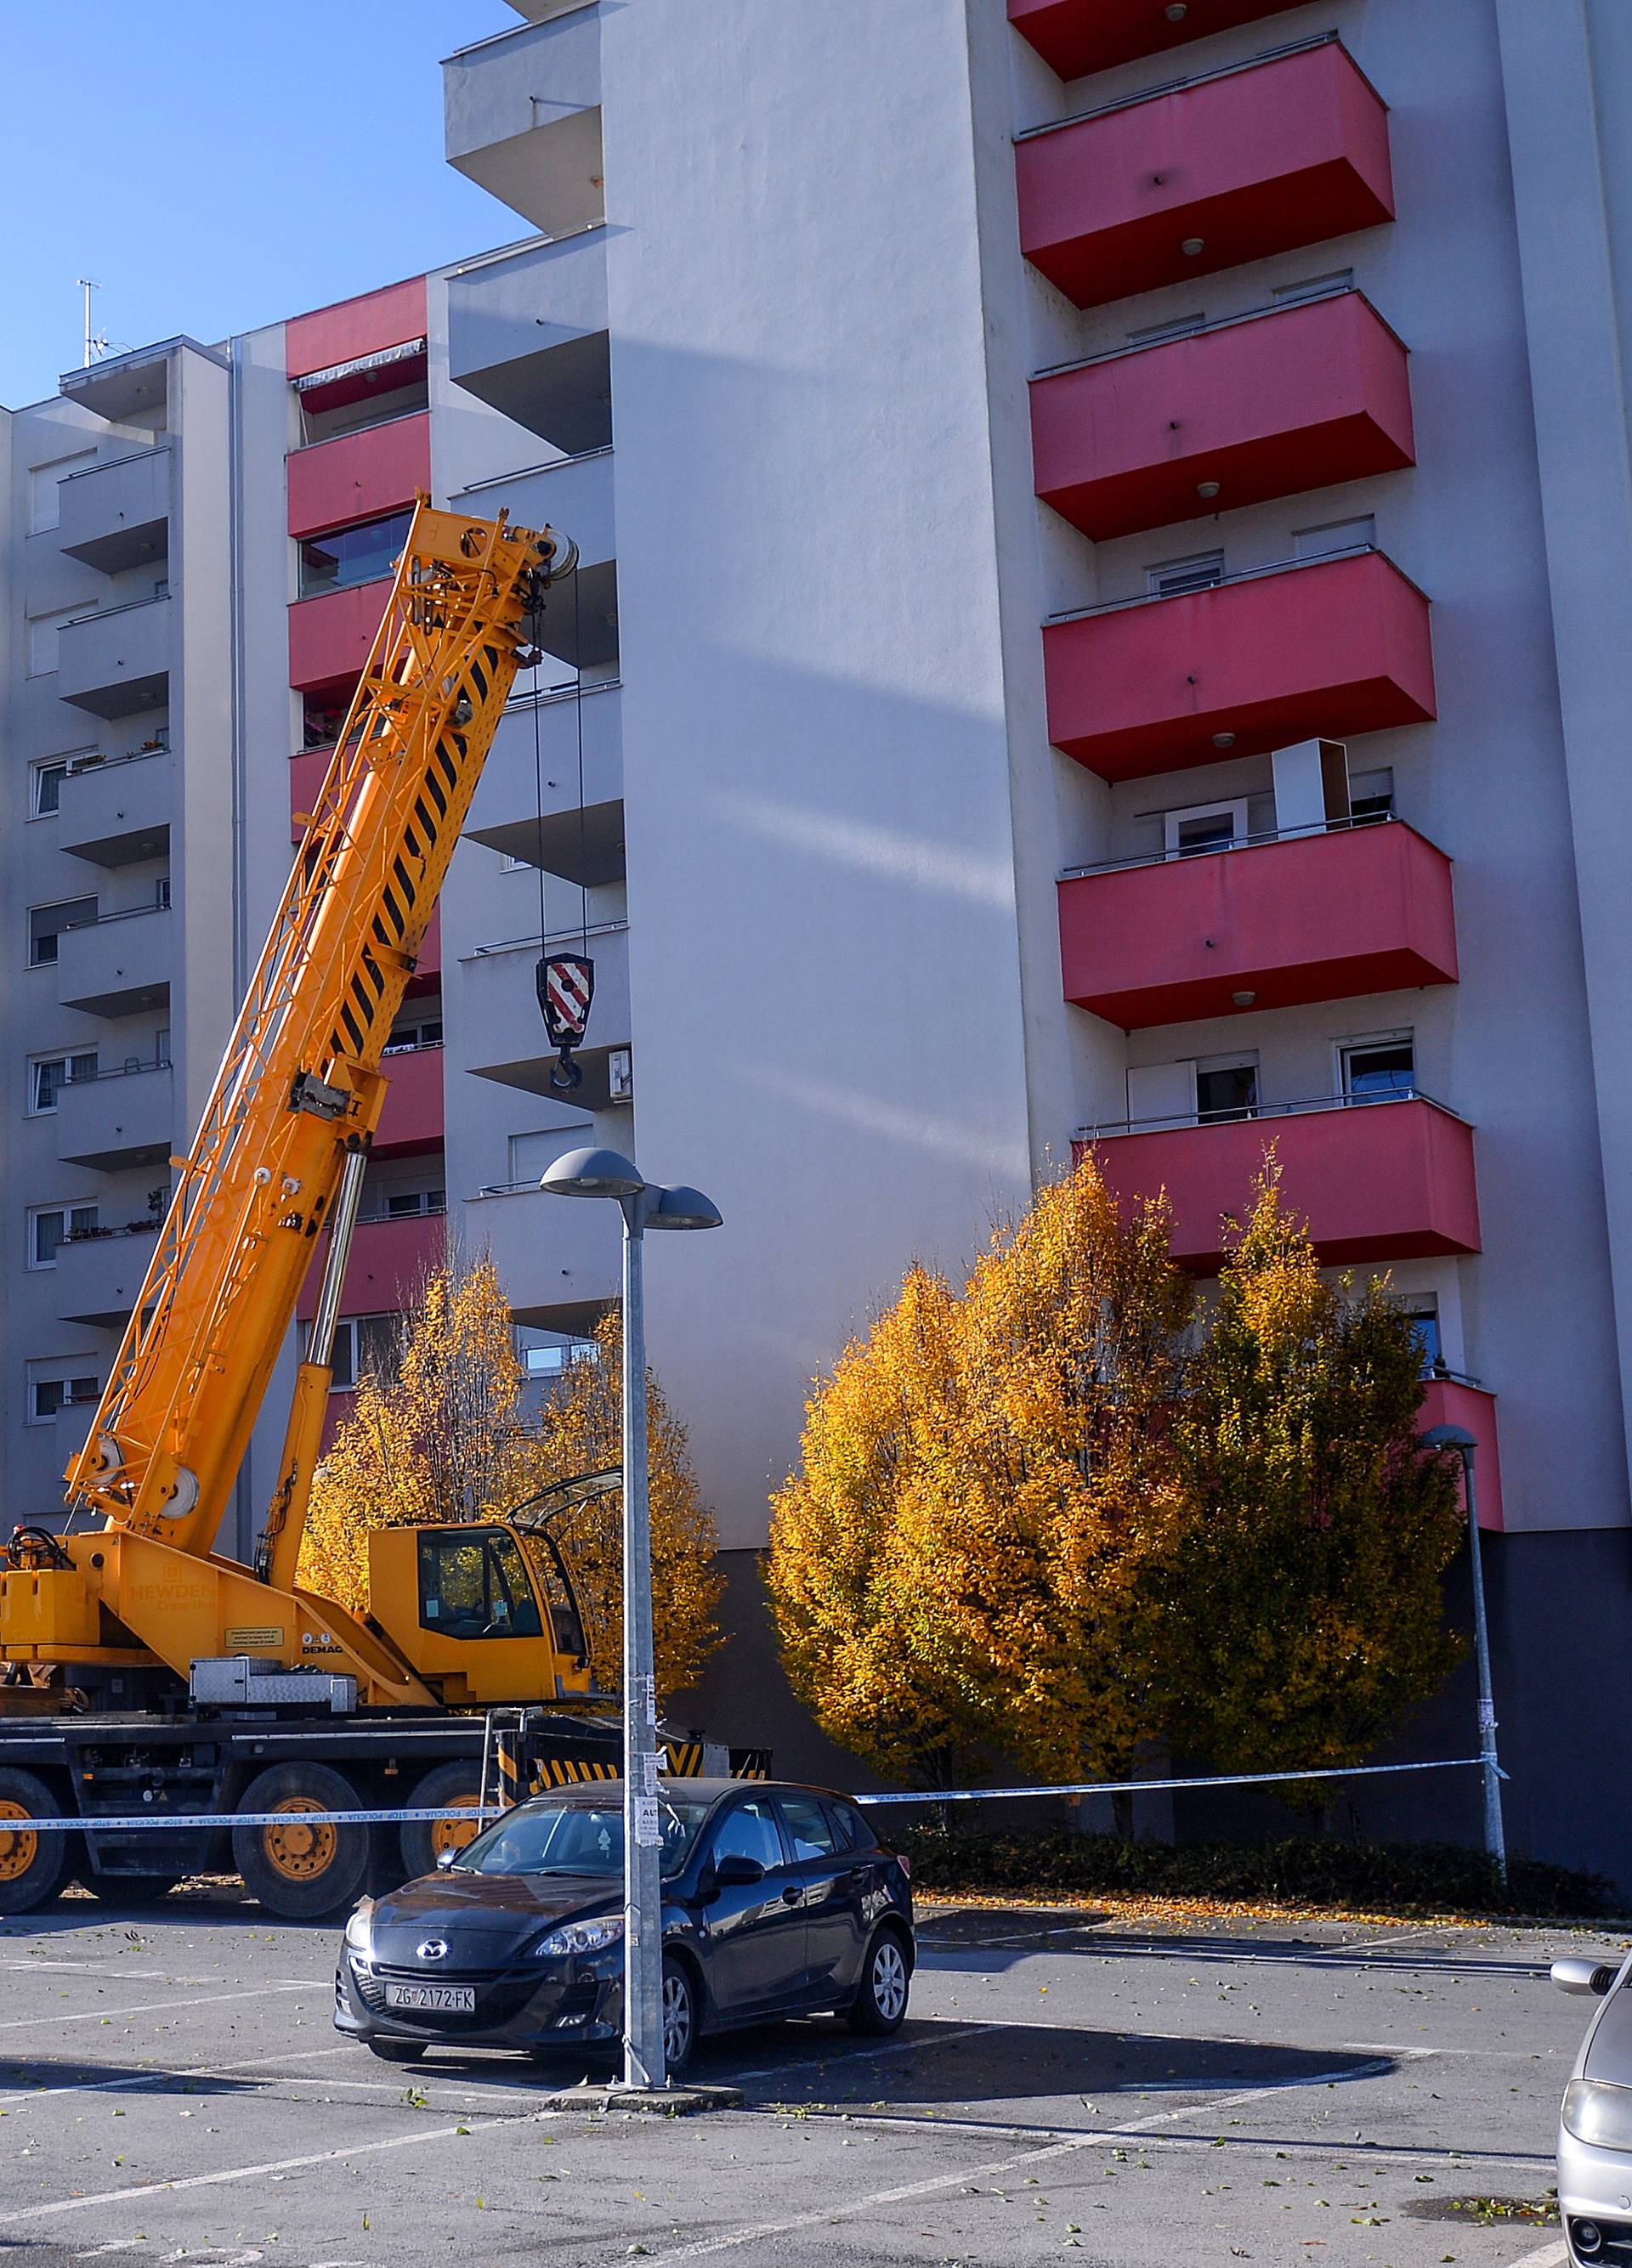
point(145, 1672)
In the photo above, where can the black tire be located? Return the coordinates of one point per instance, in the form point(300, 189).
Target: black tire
point(128, 1890)
point(396, 2051)
point(458, 1785)
point(880, 2004)
point(682, 2015)
point(33, 1867)
point(308, 1874)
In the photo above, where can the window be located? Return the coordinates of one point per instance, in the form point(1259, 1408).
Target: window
point(1314, 287)
point(1226, 1091)
point(555, 1361)
point(1377, 1071)
point(1372, 796)
point(424, 1031)
point(46, 925)
point(810, 1829)
point(1424, 1318)
point(350, 555)
point(161, 893)
point(48, 1075)
point(509, 863)
point(322, 716)
point(345, 400)
point(472, 1583)
point(855, 1834)
point(43, 629)
point(365, 1346)
point(161, 1048)
point(1336, 535)
point(44, 503)
point(408, 1205)
point(749, 1830)
point(1176, 577)
point(1204, 826)
point(1182, 326)
point(48, 788)
point(50, 1226)
point(532, 1154)
point(47, 1396)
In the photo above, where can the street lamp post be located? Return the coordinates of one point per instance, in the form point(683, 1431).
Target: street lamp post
point(1458, 1439)
point(605, 1174)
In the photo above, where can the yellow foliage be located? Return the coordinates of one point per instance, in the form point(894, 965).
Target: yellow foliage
point(445, 1440)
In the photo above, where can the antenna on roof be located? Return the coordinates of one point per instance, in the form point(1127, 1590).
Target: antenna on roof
point(96, 342)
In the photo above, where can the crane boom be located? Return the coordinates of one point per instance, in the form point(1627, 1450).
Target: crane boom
point(300, 1088)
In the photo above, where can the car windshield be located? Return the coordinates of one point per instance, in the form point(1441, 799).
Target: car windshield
point(574, 1838)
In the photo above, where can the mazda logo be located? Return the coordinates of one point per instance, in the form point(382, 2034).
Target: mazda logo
point(435, 1949)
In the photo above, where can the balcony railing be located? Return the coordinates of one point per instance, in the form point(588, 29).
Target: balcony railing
point(1318, 913)
point(1388, 1178)
point(1283, 150)
point(1292, 651)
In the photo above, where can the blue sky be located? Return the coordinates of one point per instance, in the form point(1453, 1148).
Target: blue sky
point(218, 164)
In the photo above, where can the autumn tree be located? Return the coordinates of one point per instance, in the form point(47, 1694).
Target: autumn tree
point(1303, 1612)
point(438, 1432)
point(961, 1568)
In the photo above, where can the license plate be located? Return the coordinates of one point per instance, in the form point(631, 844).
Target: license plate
point(456, 2000)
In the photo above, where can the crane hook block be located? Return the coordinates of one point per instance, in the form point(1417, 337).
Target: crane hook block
point(566, 985)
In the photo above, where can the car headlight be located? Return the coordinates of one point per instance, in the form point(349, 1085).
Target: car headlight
point(1599, 2114)
point(580, 1937)
point(359, 1929)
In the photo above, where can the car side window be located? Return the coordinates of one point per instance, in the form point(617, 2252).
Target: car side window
point(810, 1829)
point(748, 1831)
point(855, 1834)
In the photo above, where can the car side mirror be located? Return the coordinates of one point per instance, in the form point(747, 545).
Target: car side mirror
point(1592, 1976)
point(445, 1860)
point(737, 1871)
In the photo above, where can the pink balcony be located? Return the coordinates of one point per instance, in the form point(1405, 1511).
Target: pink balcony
point(390, 1260)
point(1384, 1181)
point(352, 328)
point(329, 636)
point(1231, 167)
point(1323, 917)
point(1302, 398)
point(359, 475)
point(1336, 647)
point(1453, 1402)
point(413, 1118)
point(1078, 36)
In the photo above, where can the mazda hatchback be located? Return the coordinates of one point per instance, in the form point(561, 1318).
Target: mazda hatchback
point(778, 1900)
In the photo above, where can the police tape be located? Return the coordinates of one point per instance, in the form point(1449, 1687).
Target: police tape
point(1144, 1787)
point(97, 1823)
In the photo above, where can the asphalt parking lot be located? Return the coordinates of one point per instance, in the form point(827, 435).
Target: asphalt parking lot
point(1067, 2085)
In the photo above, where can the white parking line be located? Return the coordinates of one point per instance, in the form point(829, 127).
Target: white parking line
point(759, 2230)
point(144, 2008)
point(271, 2165)
point(1551, 2255)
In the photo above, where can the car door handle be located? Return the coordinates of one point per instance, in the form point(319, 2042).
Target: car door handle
point(792, 1894)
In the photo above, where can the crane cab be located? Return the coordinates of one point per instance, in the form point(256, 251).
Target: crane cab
point(470, 1609)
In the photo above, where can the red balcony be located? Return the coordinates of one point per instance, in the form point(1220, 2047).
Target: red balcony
point(329, 636)
point(413, 1118)
point(1336, 647)
point(1300, 399)
point(1318, 916)
point(1236, 165)
point(389, 1261)
point(360, 475)
point(1078, 36)
point(352, 327)
point(1454, 1401)
point(1384, 1181)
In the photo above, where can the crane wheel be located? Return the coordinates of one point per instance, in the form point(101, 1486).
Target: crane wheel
point(459, 1785)
point(304, 1873)
point(34, 1866)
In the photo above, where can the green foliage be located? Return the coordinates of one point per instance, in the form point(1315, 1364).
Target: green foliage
point(1308, 1870)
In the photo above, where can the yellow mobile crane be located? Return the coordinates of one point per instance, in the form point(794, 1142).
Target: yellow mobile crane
point(197, 1683)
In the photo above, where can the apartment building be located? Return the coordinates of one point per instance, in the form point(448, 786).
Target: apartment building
point(198, 542)
point(1112, 520)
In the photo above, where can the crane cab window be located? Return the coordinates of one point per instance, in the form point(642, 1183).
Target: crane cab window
point(473, 1585)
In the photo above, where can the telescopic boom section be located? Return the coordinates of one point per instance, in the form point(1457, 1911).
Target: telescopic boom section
point(299, 1087)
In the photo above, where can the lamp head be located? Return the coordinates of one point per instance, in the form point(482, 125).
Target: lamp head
point(1452, 1437)
point(681, 1208)
point(593, 1173)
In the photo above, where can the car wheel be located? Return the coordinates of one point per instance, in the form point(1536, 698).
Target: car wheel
point(396, 2051)
point(881, 2004)
point(679, 2017)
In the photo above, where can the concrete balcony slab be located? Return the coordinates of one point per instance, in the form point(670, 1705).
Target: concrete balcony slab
point(120, 966)
point(498, 1032)
point(527, 801)
point(116, 514)
point(116, 662)
point(98, 1278)
point(522, 119)
point(117, 813)
point(120, 1118)
point(527, 333)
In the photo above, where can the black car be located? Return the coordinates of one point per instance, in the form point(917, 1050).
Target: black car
point(778, 1900)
